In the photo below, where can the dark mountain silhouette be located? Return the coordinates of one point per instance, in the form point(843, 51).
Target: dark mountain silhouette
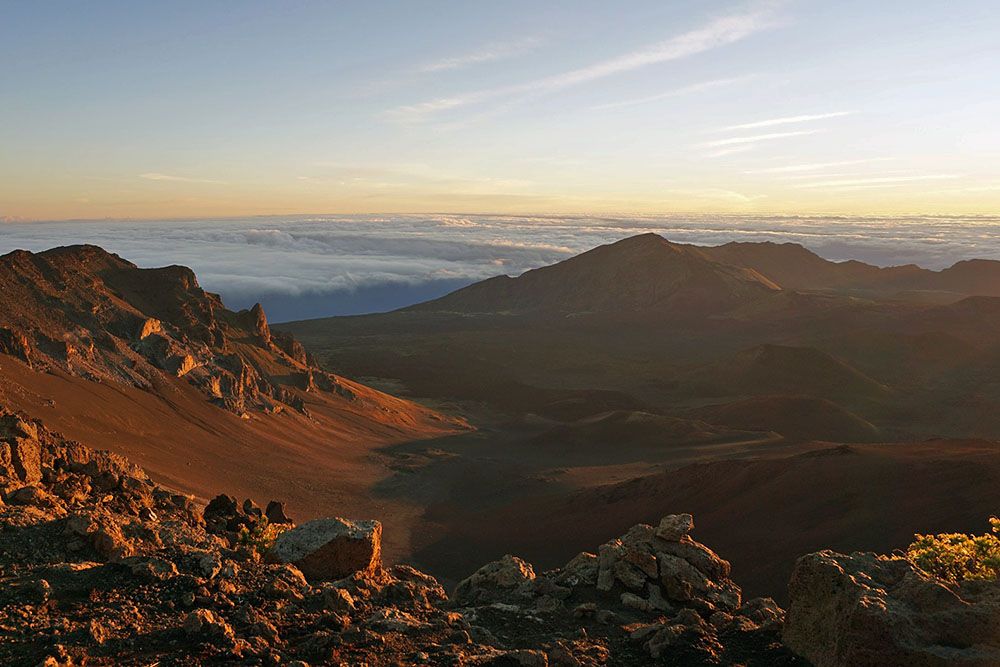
point(794, 267)
point(644, 272)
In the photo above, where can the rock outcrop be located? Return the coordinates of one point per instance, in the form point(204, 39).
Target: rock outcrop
point(90, 313)
point(863, 610)
point(671, 595)
point(504, 580)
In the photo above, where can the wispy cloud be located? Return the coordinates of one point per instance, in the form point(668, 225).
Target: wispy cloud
point(413, 176)
point(882, 181)
point(815, 166)
point(717, 33)
point(487, 54)
point(971, 188)
point(757, 138)
point(732, 150)
point(677, 92)
point(786, 120)
point(720, 194)
point(838, 174)
point(155, 176)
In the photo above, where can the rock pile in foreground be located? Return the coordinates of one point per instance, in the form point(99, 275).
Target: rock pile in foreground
point(100, 566)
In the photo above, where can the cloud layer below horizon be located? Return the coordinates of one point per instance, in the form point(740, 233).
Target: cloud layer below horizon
point(317, 265)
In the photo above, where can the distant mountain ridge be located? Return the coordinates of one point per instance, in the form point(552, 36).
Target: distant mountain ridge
point(795, 267)
point(644, 272)
point(648, 272)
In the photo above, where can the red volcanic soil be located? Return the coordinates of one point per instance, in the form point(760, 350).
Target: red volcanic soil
point(783, 369)
point(625, 436)
point(796, 417)
point(145, 363)
point(322, 464)
point(762, 514)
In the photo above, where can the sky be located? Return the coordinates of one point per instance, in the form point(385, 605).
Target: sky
point(125, 110)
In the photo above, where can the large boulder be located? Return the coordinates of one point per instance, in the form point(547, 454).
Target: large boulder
point(864, 609)
point(503, 580)
point(332, 548)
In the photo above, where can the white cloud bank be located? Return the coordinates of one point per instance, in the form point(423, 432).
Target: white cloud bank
point(277, 259)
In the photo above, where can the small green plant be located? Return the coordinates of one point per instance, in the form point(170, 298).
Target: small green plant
point(957, 556)
point(260, 537)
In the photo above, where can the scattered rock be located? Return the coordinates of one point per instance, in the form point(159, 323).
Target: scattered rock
point(204, 622)
point(140, 574)
point(338, 599)
point(210, 565)
point(96, 631)
point(275, 513)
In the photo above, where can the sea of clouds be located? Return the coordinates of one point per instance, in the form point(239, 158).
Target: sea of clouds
point(311, 266)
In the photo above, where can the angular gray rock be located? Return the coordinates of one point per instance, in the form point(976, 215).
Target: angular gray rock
point(332, 548)
point(674, 526)
point(500, 581)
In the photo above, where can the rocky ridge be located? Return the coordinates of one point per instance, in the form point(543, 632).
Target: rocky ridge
point(88, 312)
point(102, 566)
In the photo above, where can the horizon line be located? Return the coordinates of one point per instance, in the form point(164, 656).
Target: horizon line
point(17, 220)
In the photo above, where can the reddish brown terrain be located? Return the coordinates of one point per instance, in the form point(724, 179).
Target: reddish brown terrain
point(639, 379)
point(145, 363)
point(790, 403)
point(650, 376)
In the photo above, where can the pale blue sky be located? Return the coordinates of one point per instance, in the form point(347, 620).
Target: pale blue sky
point(124, 109)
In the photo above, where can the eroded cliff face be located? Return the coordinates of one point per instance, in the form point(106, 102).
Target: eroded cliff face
point(102, 566)
point(90, 313)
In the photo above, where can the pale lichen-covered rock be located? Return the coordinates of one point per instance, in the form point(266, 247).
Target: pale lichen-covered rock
point(867, 610)
point(499, 581)
point(580, 571)
point(674, 526)
point(700, 556)
point(332, 548)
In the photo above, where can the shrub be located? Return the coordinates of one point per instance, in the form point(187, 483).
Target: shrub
point(261, 536)
point(957, 556)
